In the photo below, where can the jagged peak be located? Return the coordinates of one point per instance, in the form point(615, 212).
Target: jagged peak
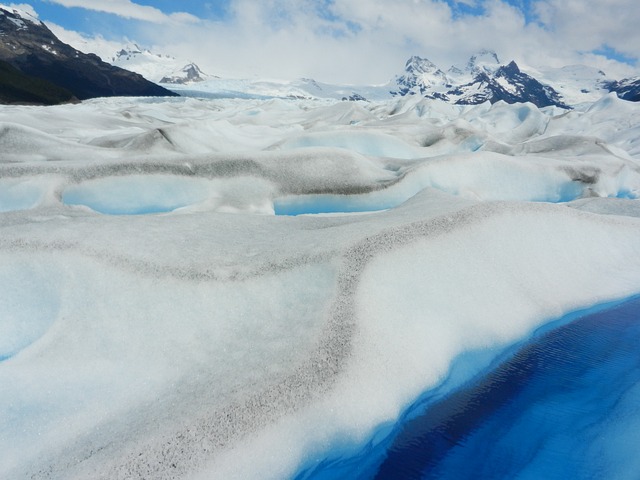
point(484, 79)
point(420, 76)
point(417, 65)
point(192, 69)
point(510, 68)
point(188, 74)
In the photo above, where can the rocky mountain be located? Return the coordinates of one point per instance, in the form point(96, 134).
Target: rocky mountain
point(507, 83)
point(31, 48)
point(626, 89)
point(190, 73)
point(156, 67)
point(420, 76)
point(482, 79)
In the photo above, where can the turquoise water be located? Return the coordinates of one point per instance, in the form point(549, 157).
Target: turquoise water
point(564, 404)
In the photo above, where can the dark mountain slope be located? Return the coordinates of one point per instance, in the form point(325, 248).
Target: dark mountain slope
point(29, 46)
point(627, 89)
point(16, 87)
point(508, 84)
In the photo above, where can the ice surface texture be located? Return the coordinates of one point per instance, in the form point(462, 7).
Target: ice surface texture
point(159, 320)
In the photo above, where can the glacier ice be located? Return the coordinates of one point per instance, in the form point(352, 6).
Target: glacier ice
point(163, 313)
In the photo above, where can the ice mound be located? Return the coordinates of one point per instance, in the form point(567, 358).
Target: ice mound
point(21, 143)
point(163, 313)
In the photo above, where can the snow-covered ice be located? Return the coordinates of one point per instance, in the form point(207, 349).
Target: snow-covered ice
point(233, 288)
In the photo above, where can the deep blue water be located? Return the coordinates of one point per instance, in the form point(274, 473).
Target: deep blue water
point(563, 405)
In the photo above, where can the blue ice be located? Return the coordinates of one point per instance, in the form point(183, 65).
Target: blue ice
point(564, 404)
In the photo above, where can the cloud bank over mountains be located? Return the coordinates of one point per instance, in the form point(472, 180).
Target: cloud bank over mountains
point(366, 41)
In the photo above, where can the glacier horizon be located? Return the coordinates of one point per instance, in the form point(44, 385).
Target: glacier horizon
point(37, 51)
point(484, 77)
point(183, 342)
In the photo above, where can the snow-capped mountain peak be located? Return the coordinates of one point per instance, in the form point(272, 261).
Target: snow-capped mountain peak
point(133, 50)
point(188, 74)
point(484, 61)
point(128, 51)
point(420, 75)
point(417, 65)
point(507, 83)
point(490, 82)
point(483, 79)
point(156, 67)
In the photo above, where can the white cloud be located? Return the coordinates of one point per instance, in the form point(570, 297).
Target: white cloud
point(21, 6)
point(97, 44)
point(589, 24)
point(128, 9)
point(354, 41)
point(368, 41)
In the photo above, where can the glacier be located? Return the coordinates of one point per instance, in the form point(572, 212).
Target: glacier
point(254, 288)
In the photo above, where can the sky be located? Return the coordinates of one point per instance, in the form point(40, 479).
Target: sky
point(354, 41)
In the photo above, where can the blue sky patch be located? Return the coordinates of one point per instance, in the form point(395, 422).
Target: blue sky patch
point(613, 54)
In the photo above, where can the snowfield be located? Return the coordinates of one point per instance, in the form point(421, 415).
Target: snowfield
point(241, 288)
